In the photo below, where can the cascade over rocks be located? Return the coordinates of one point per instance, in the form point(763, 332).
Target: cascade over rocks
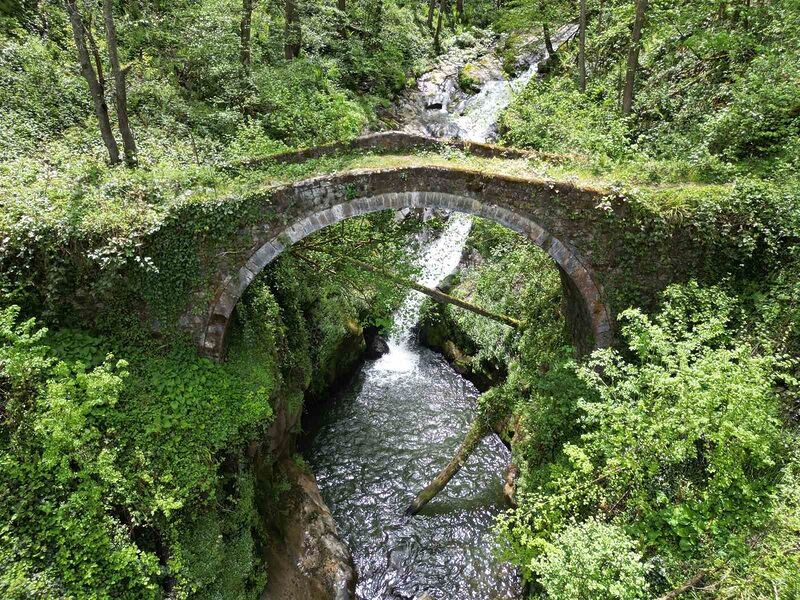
point(444, 103)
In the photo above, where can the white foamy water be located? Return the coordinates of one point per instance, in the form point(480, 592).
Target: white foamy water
point(438, 260)
point(478, 121)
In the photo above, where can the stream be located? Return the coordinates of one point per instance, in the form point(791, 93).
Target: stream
point(383, 440)
point(402, 418)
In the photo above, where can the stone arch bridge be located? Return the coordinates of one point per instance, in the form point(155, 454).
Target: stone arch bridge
point(567, 221)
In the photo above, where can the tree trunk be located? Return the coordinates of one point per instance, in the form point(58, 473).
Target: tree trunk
point(342, 6)
point(582, 47)
point(245, 34)
point(460, 9)
point(633, 57)
point(600, 15)
point(96, 90)
point(292, 32)
point(437, 47)
point(431, 6)
point(437, 295)
point(120, 86)
point(548, 43)
point(477, 431)
point(377, 24)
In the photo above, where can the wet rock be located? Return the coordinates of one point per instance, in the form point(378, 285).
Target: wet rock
point(528, 48)
point(426, 108)
point(376, 345)
point(475, 74)
point(311, 562)
point(510, 485)
point(465, 40)
point(449, 282)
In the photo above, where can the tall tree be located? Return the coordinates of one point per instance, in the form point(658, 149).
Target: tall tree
point(292, 31)
point(545, 16)
point(120, 85)
point(633, 57)
point(376, 22)
point(582, 47)
point(431, 7)
point(437, 37)
point(245, 33)
point(342, 6)
point(94, 79)
point(548, 42)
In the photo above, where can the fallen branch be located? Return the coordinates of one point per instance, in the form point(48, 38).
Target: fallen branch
point(684, 587)
point(437, 295)
point(477, 431)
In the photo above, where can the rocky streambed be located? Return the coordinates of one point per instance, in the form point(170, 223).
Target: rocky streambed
point(467, 89)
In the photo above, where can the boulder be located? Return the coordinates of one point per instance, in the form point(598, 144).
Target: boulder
point(376, 345)
point(475, 74)
point(310, 562)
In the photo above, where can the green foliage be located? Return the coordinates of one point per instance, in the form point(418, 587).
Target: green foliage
point(690, 406)
point(55, 465)
point(716, 89)
point(516, 279)
point(125, 478)
point(592, 561)
point(304, 107)
point(558, 118)
point(334, 281)
point(120, 475)
point(763, 116)
point(39, 96)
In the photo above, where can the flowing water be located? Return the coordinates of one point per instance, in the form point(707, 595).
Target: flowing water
point(385, 438)
point(474, 117)
point(478, 116)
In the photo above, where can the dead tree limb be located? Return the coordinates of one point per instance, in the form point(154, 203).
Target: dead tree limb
point(437, 295)
point(685, 587)
point(477, 431)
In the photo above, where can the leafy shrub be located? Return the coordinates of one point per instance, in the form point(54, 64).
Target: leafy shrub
point(764, 112)
point(303, 107)
point(39, 96)
point(688, 405)
point(592, 561)
point(104, 464)
point(555, 117)
point(251, 141)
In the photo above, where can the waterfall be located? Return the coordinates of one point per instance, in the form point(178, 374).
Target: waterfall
point(437, 261)
point(440, 108)
point(480, 113)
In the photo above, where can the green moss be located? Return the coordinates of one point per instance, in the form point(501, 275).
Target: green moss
point(467, 78)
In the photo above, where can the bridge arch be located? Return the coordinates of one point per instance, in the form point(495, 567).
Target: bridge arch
point(328, 201)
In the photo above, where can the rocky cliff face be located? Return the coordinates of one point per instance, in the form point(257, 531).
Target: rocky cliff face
point(306, 559)
point(310, 562)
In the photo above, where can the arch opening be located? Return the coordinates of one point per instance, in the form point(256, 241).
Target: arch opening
point(588, 318)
